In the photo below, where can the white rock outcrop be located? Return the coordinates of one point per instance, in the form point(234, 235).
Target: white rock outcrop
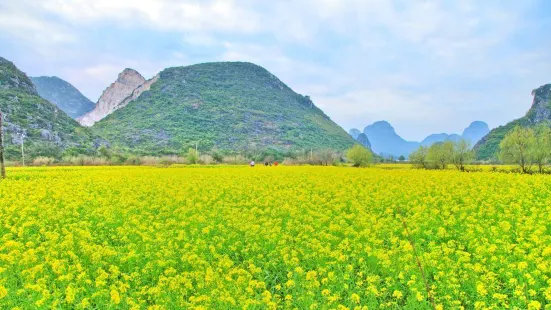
point(129, 85)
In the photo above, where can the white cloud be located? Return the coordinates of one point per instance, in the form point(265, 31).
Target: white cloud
point(221, 15)
point(426, 65)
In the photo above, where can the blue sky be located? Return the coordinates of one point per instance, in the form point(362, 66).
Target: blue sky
point(424, 66)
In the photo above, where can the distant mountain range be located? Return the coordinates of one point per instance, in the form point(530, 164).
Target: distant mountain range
point(539, 112)
point(63, 94)
point(385, 141)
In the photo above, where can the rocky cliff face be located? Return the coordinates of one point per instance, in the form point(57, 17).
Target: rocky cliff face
point(541, 106)
point(128, 86)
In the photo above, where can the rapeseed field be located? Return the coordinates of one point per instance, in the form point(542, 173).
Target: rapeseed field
point(273, 238)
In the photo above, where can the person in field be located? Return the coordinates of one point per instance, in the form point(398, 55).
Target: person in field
point(252, 163)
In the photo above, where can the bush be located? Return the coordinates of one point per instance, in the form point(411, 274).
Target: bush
point(206, 160)
point(43, 161)
point(83, 160)
point(134, 160)
point(235, 160)
point(149, 160)
point(171, 160)
point(217, 157)
point(359, 156)
point(192, 156)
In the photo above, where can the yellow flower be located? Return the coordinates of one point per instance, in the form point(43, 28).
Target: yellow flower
point(70, 294)
point(355, 298)
point(3, 292)
point(115, 297)
point(534, 305)
point(290, 283)
point(397, 294)
point(481, 289)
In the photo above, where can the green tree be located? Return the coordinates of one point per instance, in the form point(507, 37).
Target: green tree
point(461, 154)
point(359, 156)
point(104, 152)
point(327, 157)
point(517, 146)
point(192, 156)
point(401, 158)
point(419, 157)
point(440, 154)
point(217, 156)
point(541, 149)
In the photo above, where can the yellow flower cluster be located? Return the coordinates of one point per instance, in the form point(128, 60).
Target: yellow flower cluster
point(273, 237)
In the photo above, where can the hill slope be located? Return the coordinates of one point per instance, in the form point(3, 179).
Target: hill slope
point(228, 106)
point(45, 129)
point(63, 94)
point(540, 112)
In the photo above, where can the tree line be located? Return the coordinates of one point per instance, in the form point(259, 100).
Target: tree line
point(527, 148)
point(443, 154)
point(523, 146)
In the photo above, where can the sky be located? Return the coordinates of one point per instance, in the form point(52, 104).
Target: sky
point(424, 66)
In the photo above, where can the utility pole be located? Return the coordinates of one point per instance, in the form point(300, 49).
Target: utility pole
point(23, 149)
point(2, 166)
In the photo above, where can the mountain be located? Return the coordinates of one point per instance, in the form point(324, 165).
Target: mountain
point(439, 137)
point(354, 133)
point(363, 140)
point(360, 137)
point(45, 129)
point(384, 140)
point(129, 85)
point(476, 131)
point(539, 112)
point(226, 105)
point(63, 94)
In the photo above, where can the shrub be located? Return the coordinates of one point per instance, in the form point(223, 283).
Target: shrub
point(43, 161)
point(359, 156)
point(206, 160)
point(192, 156)
point(134, 160)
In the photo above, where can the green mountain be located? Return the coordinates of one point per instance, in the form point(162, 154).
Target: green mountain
point(63, 94)
point(227, 106)
point(44, 128)
point(540, 112)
